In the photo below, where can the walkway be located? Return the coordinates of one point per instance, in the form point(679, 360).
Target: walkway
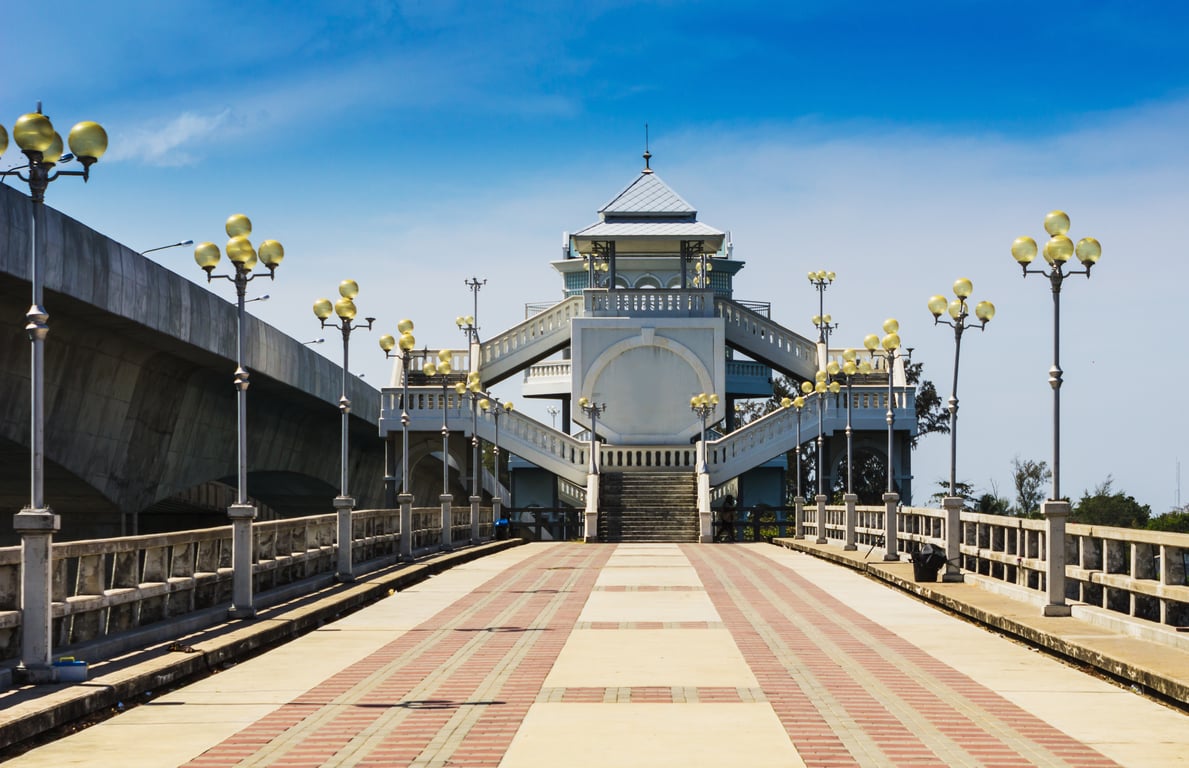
point(641, 655)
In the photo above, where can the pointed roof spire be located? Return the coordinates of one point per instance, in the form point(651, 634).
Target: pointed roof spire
point(647, 154)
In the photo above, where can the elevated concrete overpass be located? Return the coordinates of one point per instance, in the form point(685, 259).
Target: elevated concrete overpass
point(140, 406)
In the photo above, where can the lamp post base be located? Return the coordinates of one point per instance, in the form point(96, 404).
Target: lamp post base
point(344, 571)
point(891, 545)
point(1055, 513)
point(953, 538)
point(820, 500)
point(36, 528)
point(447, 542)
point(798, 517)
point(848, 541)
point(405, 501)
point(590, 528)
point(241, 516)
point(475, 500)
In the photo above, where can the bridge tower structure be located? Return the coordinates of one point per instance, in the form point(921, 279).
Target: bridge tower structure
point(648, 319)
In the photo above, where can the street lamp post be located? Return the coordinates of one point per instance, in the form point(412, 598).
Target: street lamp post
point(473, 387)
point(797, 402)
point(850, 369)
point(1057, 252)
point(591, 515)
point(244, 259)
point(959, 312)
point(822, 280)
point(890, 343)
point(343, 503)
point(36, 524)
point(819, 388)
point(443, 368)
point(491, 403)
point(704, 405)
point(406, 345)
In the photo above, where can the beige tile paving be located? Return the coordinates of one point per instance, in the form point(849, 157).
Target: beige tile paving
point(649, 606)
point(650, 657)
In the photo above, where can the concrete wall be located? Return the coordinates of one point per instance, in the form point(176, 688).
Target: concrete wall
point(140, 403)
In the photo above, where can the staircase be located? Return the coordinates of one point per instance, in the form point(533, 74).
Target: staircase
point(648, 506)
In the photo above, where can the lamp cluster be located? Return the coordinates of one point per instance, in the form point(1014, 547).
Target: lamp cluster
point(957, 307)
point(239, 250)
point(35, 135)
point(1059, 248)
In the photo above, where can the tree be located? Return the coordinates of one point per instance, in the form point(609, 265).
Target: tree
point(931, 412)
point(992, 504)
point(1176, 521)
point(1102, 507)
point(965, 492)
point(1028, 476)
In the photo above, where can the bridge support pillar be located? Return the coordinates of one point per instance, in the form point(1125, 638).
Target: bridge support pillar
point(820, 499)
point(799, 517)
point(848, 540)
point(447, 520)
point(405, 500)
point(891, 545)
point(1055, 513)
point(705, 515)
point(591, 522)
point(953, 538)
point(475, 518)
point(241, 516)
point(36, 528)
point(344, 571)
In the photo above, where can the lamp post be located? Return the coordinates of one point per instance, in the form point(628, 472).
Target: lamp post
point(1057, 252)
point(703, 405)
point(491, 404)
point(473, 386)
point(591, 514)
point(171, 245)
point(819, 388)
point(443, 368)
point(797, 402)
point(850, 369)
point(822, 280)
point(959, 312)
point(244, 259)
point(343, 503)
point(405, 344)
point(889, 343)
point(37, 523)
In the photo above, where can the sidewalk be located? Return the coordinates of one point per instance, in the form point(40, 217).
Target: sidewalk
point(649, 655)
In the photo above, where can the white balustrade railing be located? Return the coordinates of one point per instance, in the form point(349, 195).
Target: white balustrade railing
point(765, 340)
point(103, 588)
point(1131, 572)
point(638, 302)
point(512, 350)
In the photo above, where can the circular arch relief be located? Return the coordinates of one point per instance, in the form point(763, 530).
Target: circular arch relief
point(646, 382)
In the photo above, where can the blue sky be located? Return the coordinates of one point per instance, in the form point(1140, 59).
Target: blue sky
point(412, 145)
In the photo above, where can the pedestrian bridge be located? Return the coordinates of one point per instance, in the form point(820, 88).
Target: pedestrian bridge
point(764, 654)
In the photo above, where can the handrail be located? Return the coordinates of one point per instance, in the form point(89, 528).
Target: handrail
point(759, 337)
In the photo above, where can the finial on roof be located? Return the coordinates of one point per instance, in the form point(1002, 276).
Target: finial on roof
point(647, 154)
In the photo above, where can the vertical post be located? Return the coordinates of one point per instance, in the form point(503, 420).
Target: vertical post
point(820, 499)
point(799, 499)
point(476, 496)
point(891, 498)
point(406, 526)
point(241, 513)
point(36, 523)
point(344, 503)
point(1055, 510)
point(849, 498)
point(447, 540)
point(953, 538)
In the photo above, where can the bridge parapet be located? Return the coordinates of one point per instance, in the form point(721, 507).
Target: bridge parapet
point(109, 590)
point(1126, 572)
point(523, 344)
point(769, 342)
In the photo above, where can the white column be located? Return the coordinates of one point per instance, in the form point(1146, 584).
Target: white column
point(36, 530)
point(891, 547)
point(799, 521)
point(447, 542)
point(953, 538)
point(405, 500)
point(821, 518)
point(475, 517)
point(344, 570)
point(705, 516)
point(848, 542)
point(241, 516)
point(592, 508)
point(1055, 513)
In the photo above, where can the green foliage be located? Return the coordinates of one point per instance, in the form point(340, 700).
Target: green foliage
point(1028, 477)
point(931, 412)
point(1176, 521)
point(965, 492)
point(1102, 507)
point(992, 504)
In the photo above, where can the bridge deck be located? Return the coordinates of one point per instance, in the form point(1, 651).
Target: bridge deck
point(651, 655)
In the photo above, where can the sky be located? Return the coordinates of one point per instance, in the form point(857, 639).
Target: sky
point(413, 145)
